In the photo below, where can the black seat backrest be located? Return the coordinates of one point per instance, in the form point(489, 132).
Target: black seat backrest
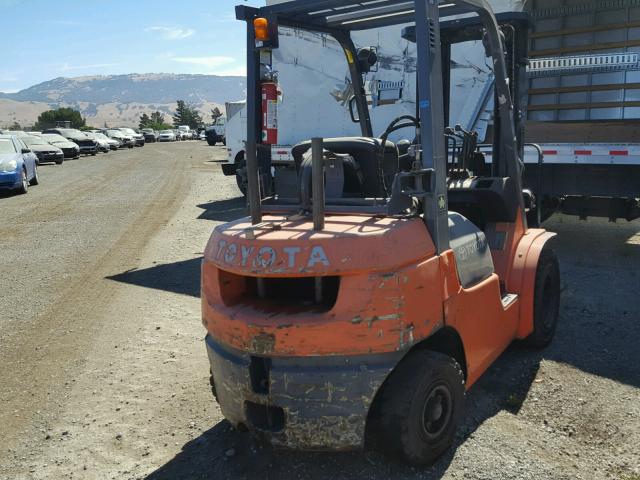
point(485, 199)
point(366, 152)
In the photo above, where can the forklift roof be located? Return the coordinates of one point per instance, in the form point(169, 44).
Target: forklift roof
point(352, 15)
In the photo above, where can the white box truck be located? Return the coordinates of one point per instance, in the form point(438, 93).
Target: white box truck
point(584, 101)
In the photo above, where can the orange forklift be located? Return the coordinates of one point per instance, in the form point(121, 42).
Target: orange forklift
point(360, 312)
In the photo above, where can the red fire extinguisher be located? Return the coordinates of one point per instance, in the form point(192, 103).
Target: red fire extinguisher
point(270, 113)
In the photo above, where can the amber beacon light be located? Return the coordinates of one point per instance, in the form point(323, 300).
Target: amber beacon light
point(261, 28)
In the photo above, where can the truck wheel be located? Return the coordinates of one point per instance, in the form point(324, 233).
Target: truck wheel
point(422, 403)
point(546, 300)
point(241, 177)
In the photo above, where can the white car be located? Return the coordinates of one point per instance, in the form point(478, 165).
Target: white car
point(138, 138)
point(103, 143)
point(167, 136)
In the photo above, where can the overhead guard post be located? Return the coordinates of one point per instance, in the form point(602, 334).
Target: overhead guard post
point(317, 180)
point(253, 119)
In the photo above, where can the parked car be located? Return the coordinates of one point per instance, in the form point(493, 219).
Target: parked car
point(185, 132)
point(138, 138)
point(87, 145)
point(202, 135)
point(69, 149)
point(17, 133)
point(18, 165)
point(43, 150)
point(111, 142)
point(125, 140)
point(150, 135)
point(167, 136)
point(103, 145)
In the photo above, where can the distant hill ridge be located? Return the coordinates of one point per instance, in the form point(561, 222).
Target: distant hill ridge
point(159, 88)
point(120, 99)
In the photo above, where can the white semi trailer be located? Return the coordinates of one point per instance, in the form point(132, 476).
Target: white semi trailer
point(584, 101)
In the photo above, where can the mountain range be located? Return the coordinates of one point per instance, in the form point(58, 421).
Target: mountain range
point(120, 99)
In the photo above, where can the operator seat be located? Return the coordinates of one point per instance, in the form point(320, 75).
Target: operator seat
point(484, 199)
point(471, 251)
point(363, 178)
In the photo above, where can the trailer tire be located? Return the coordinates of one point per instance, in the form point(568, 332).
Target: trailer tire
point(546, 300)
point(241, 176)
point(420, 407)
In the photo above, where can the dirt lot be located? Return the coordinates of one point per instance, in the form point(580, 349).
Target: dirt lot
point(104, 372)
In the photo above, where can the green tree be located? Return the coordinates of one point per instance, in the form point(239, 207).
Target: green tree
point(154, 121)
point(144, 121)
point(157, 121)
point(186, 114)
point(49, 118)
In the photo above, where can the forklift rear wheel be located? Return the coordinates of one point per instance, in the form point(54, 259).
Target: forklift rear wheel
point(546, 300)
point(421, 406)
point(213, 386)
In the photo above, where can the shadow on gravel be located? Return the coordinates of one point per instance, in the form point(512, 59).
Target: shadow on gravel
point(599, 319)
point(180, 277)
point(224, 210)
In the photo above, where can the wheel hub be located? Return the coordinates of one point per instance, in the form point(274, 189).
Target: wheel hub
point(437, 411)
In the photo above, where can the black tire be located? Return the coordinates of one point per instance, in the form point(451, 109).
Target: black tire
point(241, 177)
point(60, 161)
point(213, 386)
point(24, 187)
point(546, 300)
point(420, 407)
point(36, 179)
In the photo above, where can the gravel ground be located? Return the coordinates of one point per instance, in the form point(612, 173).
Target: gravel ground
point(105, 373)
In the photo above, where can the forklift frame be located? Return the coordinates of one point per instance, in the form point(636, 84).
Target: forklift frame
point(338, 19)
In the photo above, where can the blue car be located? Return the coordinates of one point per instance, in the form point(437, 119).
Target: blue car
point(18, 165)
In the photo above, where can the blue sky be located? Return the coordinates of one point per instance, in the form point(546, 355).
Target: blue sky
point(45, 39)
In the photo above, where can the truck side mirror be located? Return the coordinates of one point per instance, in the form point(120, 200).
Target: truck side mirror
point(353, 110)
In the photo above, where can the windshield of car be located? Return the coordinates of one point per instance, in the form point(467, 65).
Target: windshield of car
point(115, 133)
point(128, 131)
point(54, 138)
point(33, 141)
point(166, 132)
point(100, 136)
point(76, 134)
point(6, 146)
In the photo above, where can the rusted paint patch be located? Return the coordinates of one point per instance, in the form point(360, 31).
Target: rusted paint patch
point(264, 343)
point(406, 337)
